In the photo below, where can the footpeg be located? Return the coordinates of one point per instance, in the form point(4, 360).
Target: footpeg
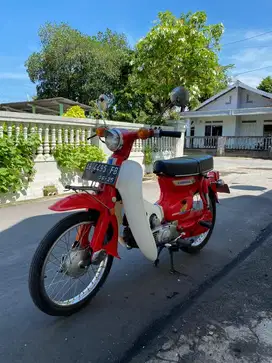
point(205, 224)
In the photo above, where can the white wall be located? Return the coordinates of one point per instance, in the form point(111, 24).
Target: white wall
point(258, 126)
point(229, 125)
point(257, 100)
point(222, 103)
point(48, 173)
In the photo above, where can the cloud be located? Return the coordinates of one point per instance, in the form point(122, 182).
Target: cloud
point(254, 56)
point(13, 76)
point(247, 56)
point(250, 79)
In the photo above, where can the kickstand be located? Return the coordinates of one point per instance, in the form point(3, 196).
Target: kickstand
point(159, 252)
point(172, 269)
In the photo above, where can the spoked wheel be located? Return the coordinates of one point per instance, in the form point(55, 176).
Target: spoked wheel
point(198, 242)
point(61, 278)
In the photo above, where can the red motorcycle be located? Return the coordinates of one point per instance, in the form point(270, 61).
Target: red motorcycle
point(74, 259)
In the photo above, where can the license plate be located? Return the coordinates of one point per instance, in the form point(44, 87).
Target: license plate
point(101, 173)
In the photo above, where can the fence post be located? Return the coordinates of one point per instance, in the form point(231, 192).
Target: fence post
point(270, 152)
point(179, 125)
point(221, 145)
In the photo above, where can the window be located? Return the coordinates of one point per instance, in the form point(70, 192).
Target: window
point(229, 101)
point(248, 100)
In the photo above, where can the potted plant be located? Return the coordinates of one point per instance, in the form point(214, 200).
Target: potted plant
point(148, 160)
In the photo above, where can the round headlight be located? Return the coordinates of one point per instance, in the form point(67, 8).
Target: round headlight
point(113, 139)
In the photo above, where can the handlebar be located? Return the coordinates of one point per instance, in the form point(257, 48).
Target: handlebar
point(166, 133)
point(142, 133)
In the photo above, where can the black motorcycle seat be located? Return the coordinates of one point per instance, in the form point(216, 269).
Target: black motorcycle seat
point(184, 166)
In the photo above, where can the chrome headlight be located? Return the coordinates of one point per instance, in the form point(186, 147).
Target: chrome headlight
point(113, 139)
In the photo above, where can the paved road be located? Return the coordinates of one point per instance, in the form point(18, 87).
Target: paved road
point(230, 322)
point(136, 294)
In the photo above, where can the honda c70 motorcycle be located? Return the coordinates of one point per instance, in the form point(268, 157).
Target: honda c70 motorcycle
point(74, 259)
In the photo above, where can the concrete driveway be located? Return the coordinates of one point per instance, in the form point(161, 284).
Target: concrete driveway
point(137, 297)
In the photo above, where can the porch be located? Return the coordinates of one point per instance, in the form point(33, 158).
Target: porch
point(235, 130)
point(240, 122)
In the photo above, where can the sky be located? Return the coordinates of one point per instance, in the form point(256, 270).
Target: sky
point(21, 20)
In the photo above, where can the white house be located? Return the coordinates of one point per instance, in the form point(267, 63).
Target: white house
point(239, 111)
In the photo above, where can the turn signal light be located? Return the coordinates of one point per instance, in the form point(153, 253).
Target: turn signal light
point(100, 131)
point(145, 133)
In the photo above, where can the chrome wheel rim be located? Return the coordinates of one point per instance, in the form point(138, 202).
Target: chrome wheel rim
point(197, 205)
point(199, 239)
point(63, 288)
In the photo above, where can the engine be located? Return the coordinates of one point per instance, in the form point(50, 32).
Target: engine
point(163, 233)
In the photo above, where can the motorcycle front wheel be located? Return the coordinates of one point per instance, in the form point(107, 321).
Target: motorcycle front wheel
point(58, 283)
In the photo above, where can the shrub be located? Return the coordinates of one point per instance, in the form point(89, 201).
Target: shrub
point(49, 190)
point(75, 111)
point(148, 158)
point(17, 162)
point(74, 158)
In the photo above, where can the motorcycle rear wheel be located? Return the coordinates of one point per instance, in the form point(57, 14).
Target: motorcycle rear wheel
point(202, 240)
point(60, 303)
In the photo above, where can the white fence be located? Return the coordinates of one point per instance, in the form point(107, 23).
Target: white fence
point(256, 143)
point(55, 130)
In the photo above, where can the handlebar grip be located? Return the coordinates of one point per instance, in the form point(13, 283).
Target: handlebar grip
point(170, 133)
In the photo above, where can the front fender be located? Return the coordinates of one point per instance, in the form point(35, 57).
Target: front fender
point(105, 219)
point(77, 201)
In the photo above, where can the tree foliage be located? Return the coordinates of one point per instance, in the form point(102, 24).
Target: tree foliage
point(179, 51)
point(176, 51)
point(77, 66)
point(266, 85)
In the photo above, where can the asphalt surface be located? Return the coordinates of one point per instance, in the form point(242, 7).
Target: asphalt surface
point(230, 321)
point(136, 295)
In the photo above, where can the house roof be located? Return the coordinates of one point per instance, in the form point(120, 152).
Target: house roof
point(237, 84)
point(48, 106)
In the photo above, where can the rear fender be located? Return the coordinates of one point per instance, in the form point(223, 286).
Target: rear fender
point(217, 185)
point(214, 190)
point(104, 221)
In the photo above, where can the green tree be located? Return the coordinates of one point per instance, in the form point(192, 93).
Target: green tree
point(77, 66)
point(179, 51)
point(266, 85)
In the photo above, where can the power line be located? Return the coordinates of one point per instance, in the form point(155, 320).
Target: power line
point(243, 40)
point(252, 70)
point(256, 47)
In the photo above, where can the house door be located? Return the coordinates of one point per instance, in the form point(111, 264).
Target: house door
point(267, 132)
point(212, 130)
